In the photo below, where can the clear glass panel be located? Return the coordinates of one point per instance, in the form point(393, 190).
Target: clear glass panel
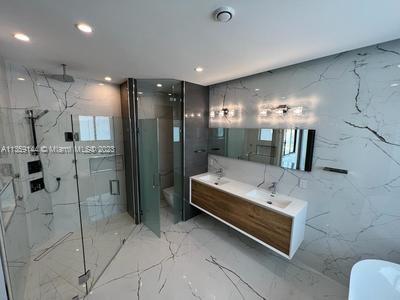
point(149, 178)
point(42, 230)
point(100, 165)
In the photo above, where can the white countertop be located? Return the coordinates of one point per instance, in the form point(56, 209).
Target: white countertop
point(241, 190)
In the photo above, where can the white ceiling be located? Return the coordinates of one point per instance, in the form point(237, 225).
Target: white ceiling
point(169, 38)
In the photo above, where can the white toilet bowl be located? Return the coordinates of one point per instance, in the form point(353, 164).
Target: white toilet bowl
point(372, 279)
point(169, 195)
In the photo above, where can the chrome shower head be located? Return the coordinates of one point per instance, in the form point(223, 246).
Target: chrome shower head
point(61, 77)
point(41, 114)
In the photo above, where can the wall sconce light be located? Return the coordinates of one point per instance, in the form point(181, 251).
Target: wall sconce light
point(224, 112)
point(298, 111)
point(281, 110)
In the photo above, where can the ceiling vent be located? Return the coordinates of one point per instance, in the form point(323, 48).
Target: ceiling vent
point(224, 14)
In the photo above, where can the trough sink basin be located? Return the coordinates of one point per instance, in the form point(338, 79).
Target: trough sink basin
point(268, 198)
point(215, 180)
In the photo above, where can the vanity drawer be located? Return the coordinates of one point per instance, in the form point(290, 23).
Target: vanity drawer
point(266, 225)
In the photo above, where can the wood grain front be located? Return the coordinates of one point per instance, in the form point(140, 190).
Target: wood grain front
point(266, 225)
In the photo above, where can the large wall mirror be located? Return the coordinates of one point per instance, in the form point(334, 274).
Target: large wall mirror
point(287, 148)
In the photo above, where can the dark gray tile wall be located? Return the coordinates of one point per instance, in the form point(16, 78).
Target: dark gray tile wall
point(196, 138)
point(128, 111)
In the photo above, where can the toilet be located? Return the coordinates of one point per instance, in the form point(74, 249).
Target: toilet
point(169, 195)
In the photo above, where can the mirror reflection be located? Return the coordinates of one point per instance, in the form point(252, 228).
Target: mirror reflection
point(290, 148)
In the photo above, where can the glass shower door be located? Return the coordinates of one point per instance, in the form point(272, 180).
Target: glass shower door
point(101, 177)
point(149, 179)
point(41, 227)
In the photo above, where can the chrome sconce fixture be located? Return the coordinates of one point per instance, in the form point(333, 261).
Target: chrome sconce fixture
point(281, 110)
point(224, 112)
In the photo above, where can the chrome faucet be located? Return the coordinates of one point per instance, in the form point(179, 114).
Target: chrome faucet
point(272, 187)
point(220, 173)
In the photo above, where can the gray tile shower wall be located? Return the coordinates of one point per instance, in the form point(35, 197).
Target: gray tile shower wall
point(352, 100)
point(196, 138)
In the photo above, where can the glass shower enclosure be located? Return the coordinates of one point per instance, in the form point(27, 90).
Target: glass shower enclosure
point(64, 219)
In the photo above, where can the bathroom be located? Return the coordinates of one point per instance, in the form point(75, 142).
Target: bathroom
point(157, 160)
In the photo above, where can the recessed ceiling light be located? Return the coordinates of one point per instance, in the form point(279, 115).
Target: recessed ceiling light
point(85, 28)
point(199, 69)
point(21, 78)
point(140, 93)
point(22, 37)
point(100, 83)
point(394, 84)
point(398, 66)
point(257, 90)
point(159, 85)
point(77, 249)
point(169, 94)
point(107, 78)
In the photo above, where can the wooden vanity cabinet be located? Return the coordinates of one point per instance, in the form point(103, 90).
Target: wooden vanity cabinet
point(264, 224)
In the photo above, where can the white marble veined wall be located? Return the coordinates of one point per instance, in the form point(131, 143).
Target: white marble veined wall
point(53, 214)
point(353, 101)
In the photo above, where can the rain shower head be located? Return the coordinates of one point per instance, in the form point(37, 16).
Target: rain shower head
point(61, 77)
point(41, 114)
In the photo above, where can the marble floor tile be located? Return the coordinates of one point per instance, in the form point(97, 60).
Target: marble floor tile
point(56, 265)
point(204, 259)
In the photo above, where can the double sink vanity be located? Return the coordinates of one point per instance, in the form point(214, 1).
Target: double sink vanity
point(274, 220)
